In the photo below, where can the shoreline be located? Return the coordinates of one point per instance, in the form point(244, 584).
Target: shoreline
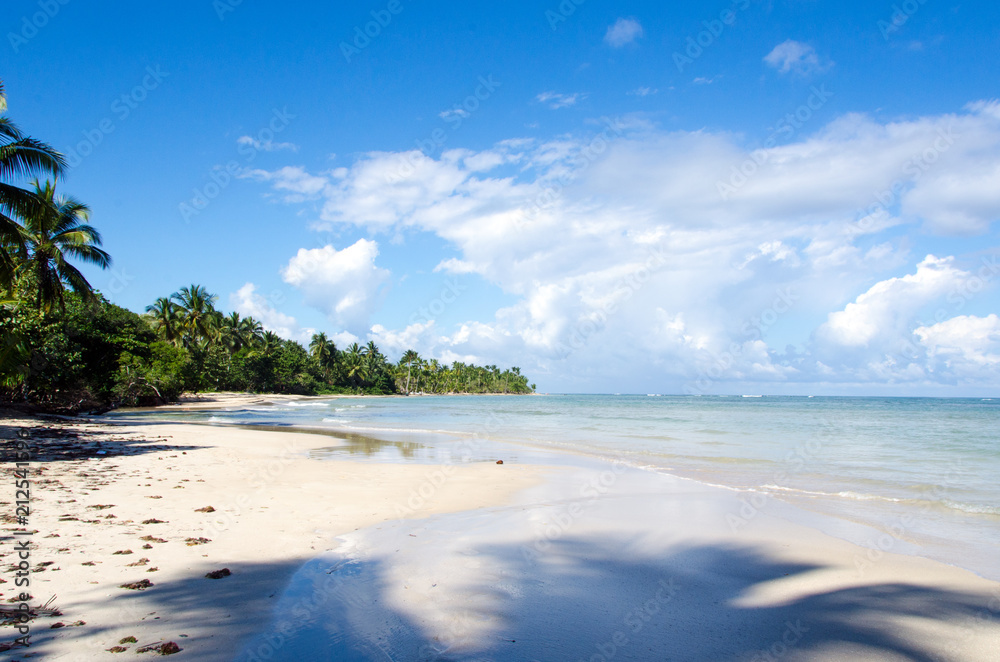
point(873, 520)
point(294, 517)
point(274, 510)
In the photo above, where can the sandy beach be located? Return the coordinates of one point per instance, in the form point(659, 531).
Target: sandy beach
point(572, 558)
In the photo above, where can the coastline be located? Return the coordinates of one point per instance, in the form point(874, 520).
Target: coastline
point(598, 535)
point(274, 510)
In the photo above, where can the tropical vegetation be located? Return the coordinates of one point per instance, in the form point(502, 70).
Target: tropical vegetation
point(64, 346)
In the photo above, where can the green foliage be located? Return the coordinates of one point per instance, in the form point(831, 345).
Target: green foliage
point(73, 355)
point(160, 378)
point(90, 353)
point(87, 352)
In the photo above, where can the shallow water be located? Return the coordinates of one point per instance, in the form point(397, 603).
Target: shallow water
point(922, 470)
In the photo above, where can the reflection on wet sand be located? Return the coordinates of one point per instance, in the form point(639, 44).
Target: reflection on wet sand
point(354, 444)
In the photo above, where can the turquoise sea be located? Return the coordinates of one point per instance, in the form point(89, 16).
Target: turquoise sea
point(907, 475)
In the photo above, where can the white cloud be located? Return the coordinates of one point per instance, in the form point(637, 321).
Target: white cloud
point(967, 346)
point(571, 229)
point(249, 303)
point(885, 310)
point(623, 32)
point(267, 145)
point(394, 343)
point(795, 56)
point(345, 284)
point(298, 183)
point(453, 112)
point(555, 101)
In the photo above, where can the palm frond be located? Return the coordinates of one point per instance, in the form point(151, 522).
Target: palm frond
point(27, 156)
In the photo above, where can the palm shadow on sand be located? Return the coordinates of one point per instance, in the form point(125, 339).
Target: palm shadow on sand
point(690, 605)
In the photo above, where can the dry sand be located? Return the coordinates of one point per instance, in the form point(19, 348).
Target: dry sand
point(273, 509)
point(585, 561)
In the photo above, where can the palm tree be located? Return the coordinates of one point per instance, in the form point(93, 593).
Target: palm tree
point(165, 319)
point(239, 332)
point(270, 343)
point(354, 364)
point(196, 307)
point(20, 157)
point(409, 356)
point(434, 368)
point(251, 332)
point(324, 351)
point(54, 230)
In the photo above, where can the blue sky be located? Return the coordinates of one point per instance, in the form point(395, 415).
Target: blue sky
point(555, 186)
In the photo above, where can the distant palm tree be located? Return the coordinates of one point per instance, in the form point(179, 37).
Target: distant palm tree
point(54, 230)
point(374, 362)
point(238, 332)
point(166, 320)
point(199, 319)
point(270, 343)
point(20, 157)
point(251, 332)
point(354, 364)
point(324, 351)
point(409, 357)
point(433, 368)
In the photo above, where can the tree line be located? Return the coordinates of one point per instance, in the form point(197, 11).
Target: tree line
point(64, 346)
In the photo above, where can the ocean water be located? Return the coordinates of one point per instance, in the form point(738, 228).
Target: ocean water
point(910, 475)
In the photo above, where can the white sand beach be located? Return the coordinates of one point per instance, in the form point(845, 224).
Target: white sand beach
point(335, 559)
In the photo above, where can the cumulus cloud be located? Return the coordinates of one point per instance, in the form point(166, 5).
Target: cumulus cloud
point(622, 249)
point(888, 306)
point(623, 32)
point(346, 285)
point(795, 56)
point(967, 346)
point(249, 303)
